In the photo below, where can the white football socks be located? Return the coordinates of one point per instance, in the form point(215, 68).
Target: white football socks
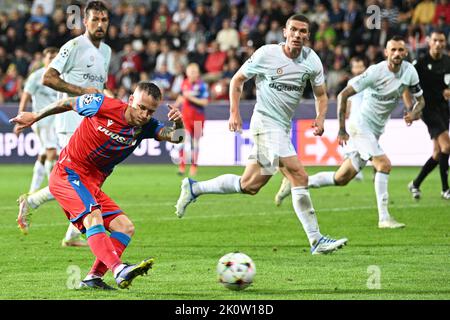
point(227, 183)
point(321, 179)
point(72, 233)
point(305, 213)
point(40, 197)
point(48, 167)
point(38, 176)
point(381, 191)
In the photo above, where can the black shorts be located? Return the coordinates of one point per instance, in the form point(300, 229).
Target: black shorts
point(436, 121)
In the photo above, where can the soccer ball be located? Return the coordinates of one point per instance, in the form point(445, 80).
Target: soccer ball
point(236, 271)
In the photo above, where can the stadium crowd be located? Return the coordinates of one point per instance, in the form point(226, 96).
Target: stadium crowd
point(156, 39)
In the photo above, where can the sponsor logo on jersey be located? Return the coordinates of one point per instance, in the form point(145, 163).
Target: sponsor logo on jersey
point(117, 137)
point(284, 87)
point(392, 97)
point(93, 78)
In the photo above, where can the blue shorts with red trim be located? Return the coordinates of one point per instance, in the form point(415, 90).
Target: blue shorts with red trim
point(79, 194)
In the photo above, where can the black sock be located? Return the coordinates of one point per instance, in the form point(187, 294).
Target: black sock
point(426, 169)
point(443, 168)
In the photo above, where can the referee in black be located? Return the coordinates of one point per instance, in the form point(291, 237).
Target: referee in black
point(434, 75)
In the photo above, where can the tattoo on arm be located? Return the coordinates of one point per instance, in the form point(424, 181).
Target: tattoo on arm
point(58, 107)
point(173, 134)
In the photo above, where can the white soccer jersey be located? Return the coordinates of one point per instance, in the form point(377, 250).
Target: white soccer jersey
point(356, 99)
point(41, 95)
point(280, 80)
point(382, 91)
point(80, 63)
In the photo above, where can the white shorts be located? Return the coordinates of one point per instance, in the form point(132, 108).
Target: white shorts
point(46, 135)
point(361, 147)
point(271, 142)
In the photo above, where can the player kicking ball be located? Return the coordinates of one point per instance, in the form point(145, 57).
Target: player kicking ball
point(110, 131)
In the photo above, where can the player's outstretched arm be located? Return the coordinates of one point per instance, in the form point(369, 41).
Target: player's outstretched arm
point(26, 119)
point(342, 111)
point(321, 97)
point(175, 133)
point(51, 79)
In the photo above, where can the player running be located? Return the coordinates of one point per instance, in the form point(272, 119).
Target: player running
point(109, 133)
point(282, 72)
point(383, 85)
point(193, 99)
point(357, 66)
point(81, 67)
point(434, 74)
point(41, 96)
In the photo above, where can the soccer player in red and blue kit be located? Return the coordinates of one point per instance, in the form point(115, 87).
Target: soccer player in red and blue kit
point(108, 134)
point(193, 99)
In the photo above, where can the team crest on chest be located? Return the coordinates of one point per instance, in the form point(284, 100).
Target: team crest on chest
point(279, 71)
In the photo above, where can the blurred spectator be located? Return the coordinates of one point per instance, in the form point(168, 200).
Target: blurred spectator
point(336, 15)
point(319, 15)
point(199, 56)
point(144, 16)
point(442, 11)
point(178, 78)
point(128, 75)
point(163, 17)
point(384, 34)
point(416, 40)
point(218, 13)
point(128, 54)
point(150, 55)
point(21, 61)
point(424, 12)
point(123, 94)
point(214, 63)
point(406, 11)
point(10, 85)
point(113, 38)
point(194, 36)
point(183, 16)
point(250, 19)
point(373, 55)
point(202, 17)
point(275, 33)
point(166, 57)
point(335, 78)
point(11, 40)
point(129, 20)
point(390, 13)
point(116, 16)
point(36, 62)
point(258, 36)
point(46, 5)
point(326, 33)
point(31, 44)
point(176, 39)
point(163, 78)
point(271, 12)
point(227, 37)
point(235, 17)
point(353, 14)
point(4, 60)
point(39, 19)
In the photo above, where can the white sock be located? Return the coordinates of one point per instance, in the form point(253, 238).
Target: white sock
point(48, 167)
point(118, 269)
point(321, 179)
point(227, 183)
point(40, 197)
point(72, 233)
point(305, 213)
point(38, 176)
point(381, 191)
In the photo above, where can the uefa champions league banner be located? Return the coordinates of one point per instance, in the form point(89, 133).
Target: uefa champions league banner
point(404, 145)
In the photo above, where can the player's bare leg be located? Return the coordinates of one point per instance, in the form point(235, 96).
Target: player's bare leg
point(104, 250)
point(303, 207)
point(383, 166)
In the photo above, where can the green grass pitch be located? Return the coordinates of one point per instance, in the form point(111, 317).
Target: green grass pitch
point(413, 263)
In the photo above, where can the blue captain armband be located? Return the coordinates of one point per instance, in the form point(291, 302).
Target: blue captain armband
point(88, 104)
